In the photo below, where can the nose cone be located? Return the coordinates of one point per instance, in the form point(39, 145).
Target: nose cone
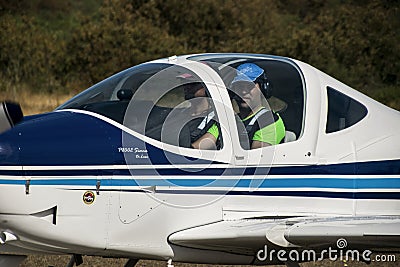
point(10, 114)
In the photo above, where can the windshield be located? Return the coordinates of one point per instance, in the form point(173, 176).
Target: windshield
point(107, 90)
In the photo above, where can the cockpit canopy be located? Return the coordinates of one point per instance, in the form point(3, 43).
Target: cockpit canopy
point(146, 96)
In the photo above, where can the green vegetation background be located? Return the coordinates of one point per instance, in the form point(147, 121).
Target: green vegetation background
point(65, 46)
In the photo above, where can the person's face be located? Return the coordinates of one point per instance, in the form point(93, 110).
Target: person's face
point(198, 99)
point(200, 92)
point(249, 94)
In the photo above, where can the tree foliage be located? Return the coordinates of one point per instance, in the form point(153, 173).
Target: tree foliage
point(118, 38)
point(356, 41)
point(27, 53)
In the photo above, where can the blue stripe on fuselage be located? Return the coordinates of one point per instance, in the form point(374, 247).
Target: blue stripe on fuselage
point(319, 183)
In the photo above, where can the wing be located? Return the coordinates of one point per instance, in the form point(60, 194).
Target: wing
point(249, 236)
point(360, 232)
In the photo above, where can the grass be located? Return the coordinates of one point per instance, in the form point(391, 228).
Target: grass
point(34, 103)
point(61, 261)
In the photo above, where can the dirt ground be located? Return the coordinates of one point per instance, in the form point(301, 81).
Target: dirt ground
point(61, 261)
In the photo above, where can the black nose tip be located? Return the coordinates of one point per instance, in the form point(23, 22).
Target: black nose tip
point(10, 114)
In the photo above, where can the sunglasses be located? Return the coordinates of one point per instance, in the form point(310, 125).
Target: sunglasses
point(242, 86)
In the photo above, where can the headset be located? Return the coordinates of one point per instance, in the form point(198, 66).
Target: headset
point(265, 85)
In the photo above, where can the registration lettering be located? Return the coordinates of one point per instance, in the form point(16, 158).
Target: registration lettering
point(139, 153)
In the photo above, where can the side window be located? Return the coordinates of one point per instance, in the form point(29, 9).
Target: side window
point(343, 111)
point(267, 97)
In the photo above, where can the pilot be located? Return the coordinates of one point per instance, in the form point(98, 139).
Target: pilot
point(261, 126)
point(200, 110)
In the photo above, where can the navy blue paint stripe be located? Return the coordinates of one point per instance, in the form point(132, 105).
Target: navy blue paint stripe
point(320, 194)
point(12, 172)
point(389, 167)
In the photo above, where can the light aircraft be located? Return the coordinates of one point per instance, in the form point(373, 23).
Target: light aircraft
point(112, 173)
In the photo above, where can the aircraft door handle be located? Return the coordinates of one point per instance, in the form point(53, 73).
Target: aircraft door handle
point(239, 157)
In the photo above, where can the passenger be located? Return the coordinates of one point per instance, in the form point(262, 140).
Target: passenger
point(263, 127)
point(202, 112)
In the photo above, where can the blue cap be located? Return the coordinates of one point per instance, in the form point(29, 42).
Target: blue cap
point(247, 72)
